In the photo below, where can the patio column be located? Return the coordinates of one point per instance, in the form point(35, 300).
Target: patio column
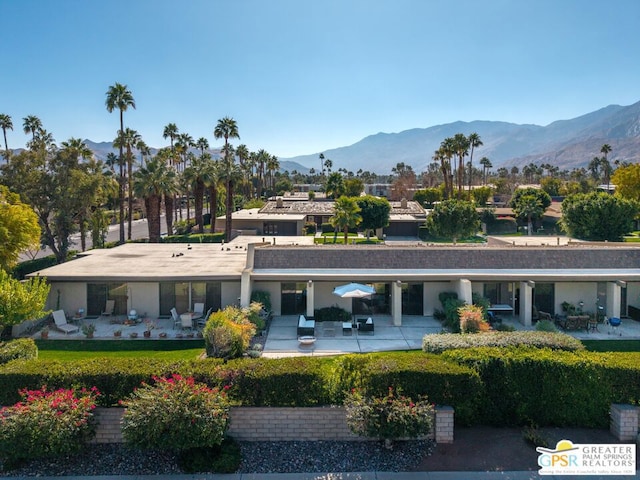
point(463, 288)
point(526, 302)
point(245, 288)
point(396, 303)
point(310, 299)
point(614, 299)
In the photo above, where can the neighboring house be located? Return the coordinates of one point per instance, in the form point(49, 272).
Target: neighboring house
point(288, 215)
point(153, 278)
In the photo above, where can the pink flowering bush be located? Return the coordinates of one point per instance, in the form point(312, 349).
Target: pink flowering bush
point(175, 413)
point(390, 418)
point(46, 424)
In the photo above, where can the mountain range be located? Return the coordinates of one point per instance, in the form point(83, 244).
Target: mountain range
point(564, 143)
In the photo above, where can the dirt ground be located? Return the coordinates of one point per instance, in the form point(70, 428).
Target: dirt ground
point(502, 449)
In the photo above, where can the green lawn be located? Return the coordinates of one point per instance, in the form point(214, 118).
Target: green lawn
point(67, 350)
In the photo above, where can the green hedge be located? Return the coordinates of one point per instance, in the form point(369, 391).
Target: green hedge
point(331, 314)
point(502, 225)
point(442, 381)
point(23, 348)
point(440, 342)
point(551, 387)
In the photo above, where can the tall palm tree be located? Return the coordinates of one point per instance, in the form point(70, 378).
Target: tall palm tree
point(262, 157)
point(606, 166)
point(144, 150)
point(31, 124)
point(474, 142)
point(486, 165)
point(346, 215)
point(111, 161)
point(227, 128)
point(194, 177)
point(461, 149)
point(273, 164)
point(119, 97)
point(129, 139)
point(150, 183)
point(211, 176)
point(202, 144)
point(5, 124)
point(243, 154)
point(170, 189)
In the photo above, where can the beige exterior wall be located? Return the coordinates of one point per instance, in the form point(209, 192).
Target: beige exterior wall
point(144, 297)
point(633, 294)
point(72, 297)
point(431, 292)
point(230, 293)
point(273, 288)
point(575, 292)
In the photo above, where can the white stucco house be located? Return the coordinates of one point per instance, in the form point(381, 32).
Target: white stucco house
point(153, 278)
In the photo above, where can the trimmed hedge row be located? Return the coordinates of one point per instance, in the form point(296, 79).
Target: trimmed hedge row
point(194, 238)
point(441, 342)
point(551, 387)
point(297, 381)
point(24, 348)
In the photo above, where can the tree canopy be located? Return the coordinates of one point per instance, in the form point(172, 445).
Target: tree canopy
point(453, 219)
point(20, 301)
point(346, 215)
point(374, 212)
point(627, 182)
point(19, 228)
point(598, 216)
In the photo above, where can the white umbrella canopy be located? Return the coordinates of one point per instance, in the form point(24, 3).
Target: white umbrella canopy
point(353, 290)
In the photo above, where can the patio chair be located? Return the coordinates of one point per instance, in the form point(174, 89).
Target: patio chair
point(109, 307)
point(203, 320)
point(60, 320)
point(366, 325)
point(186, 321)
point(176, 318)
point(198, 310)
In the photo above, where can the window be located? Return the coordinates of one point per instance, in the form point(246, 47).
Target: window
point(294, 298)
point(182, 295)
point(412, 298)
point(99, 293)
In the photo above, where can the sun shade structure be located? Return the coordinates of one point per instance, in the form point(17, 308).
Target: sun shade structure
point(353, 290)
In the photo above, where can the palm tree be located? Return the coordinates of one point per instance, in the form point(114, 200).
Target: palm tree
point(5, 124)
point(150, 183)
point(486, 165)
point(170, 189)
point(202, 144)
point(243, 154)
point(474, 142)
point(31, 124)
point(461, 149)
point(144, 150)
point(120, 97)
point(227, 128)
point(262, 157)
point(606, 166)
point(273, 165)
point(129, 139)
point(346, 215)
point(194, 177)
point(210, 177)
point(111, 161)
point(77, 149)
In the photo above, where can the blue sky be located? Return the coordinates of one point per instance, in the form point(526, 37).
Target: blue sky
point(303, 76)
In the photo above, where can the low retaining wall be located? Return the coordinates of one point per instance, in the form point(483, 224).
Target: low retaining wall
point(280, 424)
point(624, 422)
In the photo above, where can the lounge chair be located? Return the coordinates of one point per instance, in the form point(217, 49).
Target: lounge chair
point(203, 320)
point(109, 307)
point(186, 321)
point(60, 320)
point(306, 327)
point(365, 325)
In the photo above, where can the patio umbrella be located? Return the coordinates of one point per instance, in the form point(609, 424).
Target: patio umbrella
point(354, 290)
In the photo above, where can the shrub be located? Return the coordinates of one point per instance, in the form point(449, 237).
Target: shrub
point(451, 314)
point(262, 297)
point(24, 348)
point(331, 314)
point(389, 417)
point(194, 238)
point(175, 413)
point(309, 228)
point(440, 342)
point(183, 227)
point(46, 423)
point(228, 332)
point(472, 319)
point(546, 326)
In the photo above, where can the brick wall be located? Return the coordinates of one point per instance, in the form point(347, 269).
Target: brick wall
point(279, 424)
point(624, 422)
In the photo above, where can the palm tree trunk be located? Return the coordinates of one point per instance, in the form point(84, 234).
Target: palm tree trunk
point(213, 206)
point(129, 193)
point(168, 210)
point(152, 205)
point(121, 183)
point(198, 205)
point(229, 211)
point(188, 206)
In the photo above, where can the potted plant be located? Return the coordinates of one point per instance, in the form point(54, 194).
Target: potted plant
point(150, 326)
point(88, 329)
point(117, 333)
point(162, 334)
point(44, 333)
point(133, 335)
